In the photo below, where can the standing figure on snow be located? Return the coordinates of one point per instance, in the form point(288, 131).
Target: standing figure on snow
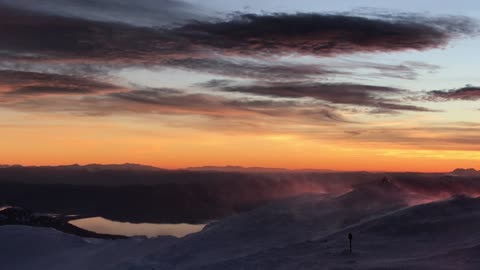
point(350, 237)
point(385, 180)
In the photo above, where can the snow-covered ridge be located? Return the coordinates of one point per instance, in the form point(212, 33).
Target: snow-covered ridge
point(306, 232)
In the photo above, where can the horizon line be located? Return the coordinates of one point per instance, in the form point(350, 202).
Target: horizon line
point(219, 167)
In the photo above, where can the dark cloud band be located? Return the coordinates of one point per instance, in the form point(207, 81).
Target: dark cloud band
point(465, 93)
point(31, 35)
point(378, 97)
point(14, 82)
point(320, 34)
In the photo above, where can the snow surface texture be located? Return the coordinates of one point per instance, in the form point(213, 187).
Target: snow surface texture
point(307, 232)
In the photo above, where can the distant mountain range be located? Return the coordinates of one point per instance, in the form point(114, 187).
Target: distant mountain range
point(147, 168)
point(140, 167)
point(250, 169)
point(236, 169)
point(95, 167)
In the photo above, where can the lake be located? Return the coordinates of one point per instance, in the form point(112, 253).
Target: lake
point(105, 226)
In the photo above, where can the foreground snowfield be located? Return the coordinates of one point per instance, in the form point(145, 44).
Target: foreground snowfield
point(307, 232)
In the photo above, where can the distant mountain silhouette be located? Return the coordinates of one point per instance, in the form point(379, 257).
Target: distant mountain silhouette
point(466, 172)
point(250, 169)
point(126, 166)
point(236, 169)
point(94, 167)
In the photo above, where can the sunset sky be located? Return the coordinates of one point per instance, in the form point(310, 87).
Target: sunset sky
point(345, 85)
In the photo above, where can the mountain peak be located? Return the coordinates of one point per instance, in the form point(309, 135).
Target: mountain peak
point(466, 172)
point(125, 166)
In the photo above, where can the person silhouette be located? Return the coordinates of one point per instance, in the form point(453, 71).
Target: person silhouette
point(350, 237)
point(385, 180)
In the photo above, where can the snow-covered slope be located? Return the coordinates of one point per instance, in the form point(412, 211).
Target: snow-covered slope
point(441, 235)
point(23, 247)
point(308, 232)
point(283, 223)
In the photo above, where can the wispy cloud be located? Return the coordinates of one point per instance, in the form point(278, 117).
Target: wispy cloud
point(14, 82)
point(377, 97)
point(464, 93)
point(272, 70)
point(248, 69)
point(150, 13)
point(166, 101)
point(426, 136)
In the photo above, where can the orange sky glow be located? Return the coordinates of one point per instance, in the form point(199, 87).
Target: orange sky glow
point(92, 141)
point(377, 90)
